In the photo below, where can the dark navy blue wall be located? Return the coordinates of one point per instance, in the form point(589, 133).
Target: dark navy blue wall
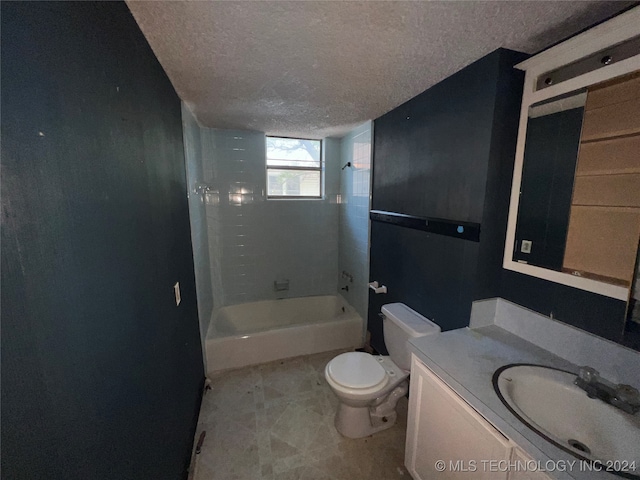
point(447, 153)
point(600, 315)
point(101, 371)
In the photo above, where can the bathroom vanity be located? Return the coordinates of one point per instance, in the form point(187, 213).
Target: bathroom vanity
point(457, 417)
point(517, 395)
point(451, 439)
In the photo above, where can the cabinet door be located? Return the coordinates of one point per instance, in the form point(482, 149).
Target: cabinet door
point(443, 427)
point(521, 463)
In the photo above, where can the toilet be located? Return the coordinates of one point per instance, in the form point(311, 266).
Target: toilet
point(369, 387)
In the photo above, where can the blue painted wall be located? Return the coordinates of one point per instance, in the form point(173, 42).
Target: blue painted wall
point(101, 371)
point(447, 153)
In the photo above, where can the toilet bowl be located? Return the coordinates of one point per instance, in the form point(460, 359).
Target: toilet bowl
point(369, 387)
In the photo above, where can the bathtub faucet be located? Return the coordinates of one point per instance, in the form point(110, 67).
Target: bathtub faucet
point(345, 288)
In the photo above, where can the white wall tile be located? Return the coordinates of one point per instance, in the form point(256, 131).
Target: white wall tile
point(254, 241)
point(199, 221)
point(250, 241)
point(355, 188)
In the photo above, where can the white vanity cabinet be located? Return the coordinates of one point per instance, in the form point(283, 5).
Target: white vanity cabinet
point(442, 427)
point(521, 457)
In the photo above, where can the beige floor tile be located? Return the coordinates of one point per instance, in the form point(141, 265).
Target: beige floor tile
point(276, 422)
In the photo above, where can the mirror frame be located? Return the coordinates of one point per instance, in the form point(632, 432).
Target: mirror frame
point(616, 30)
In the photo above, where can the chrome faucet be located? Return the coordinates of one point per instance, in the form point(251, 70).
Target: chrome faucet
point(621, 396)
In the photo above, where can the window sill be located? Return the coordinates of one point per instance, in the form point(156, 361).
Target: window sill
point(292, 197)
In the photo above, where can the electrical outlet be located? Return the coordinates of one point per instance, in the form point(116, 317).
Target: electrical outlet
point(525, 246)
point(176, 291)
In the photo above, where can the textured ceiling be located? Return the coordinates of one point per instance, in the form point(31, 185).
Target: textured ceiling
point(316, 68)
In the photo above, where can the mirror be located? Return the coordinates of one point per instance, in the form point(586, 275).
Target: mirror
point(579, 209)
point(548, 176)
point(574, 210)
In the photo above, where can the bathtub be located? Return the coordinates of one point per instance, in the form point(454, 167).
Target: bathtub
point(259, 332)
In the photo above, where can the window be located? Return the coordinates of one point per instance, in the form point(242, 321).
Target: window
point(294, 168)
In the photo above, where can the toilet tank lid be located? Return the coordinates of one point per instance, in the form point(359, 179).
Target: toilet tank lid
point(409, 320)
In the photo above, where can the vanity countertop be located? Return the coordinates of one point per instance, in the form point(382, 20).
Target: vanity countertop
point(466, 360)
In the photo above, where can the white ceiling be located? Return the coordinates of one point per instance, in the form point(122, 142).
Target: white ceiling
point(317, 68)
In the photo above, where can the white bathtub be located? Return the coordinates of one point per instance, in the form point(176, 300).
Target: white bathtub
point(259, 332)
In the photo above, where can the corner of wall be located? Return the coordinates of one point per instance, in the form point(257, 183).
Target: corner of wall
point(355, 194)
point(198, 221)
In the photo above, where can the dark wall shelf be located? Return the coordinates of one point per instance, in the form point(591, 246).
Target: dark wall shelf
point(450, 228)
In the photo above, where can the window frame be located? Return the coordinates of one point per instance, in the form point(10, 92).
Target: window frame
point(319, 169)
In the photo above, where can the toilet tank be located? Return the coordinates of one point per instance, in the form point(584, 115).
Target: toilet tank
point(400, 324)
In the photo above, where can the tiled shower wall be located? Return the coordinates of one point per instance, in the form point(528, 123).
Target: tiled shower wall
point(197, 217)
point(254, 241)
point(244, 242)
point(355, 189)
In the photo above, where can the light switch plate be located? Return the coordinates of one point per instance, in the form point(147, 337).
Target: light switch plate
point(525, 247)
point(176, 291)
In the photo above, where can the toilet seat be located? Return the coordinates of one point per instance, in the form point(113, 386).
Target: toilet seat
point(369, 387)
point(357, 371)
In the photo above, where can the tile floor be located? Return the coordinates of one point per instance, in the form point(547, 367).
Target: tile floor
point(275, 422)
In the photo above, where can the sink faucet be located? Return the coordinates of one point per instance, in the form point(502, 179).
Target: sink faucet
point(621, 396)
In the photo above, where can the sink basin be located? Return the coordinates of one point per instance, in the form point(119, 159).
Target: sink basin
point(546, 400)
